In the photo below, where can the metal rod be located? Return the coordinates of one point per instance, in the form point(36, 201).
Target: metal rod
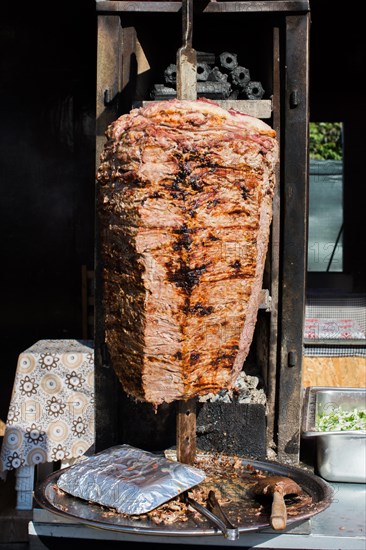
point(334, 248)
point(271, 381)
point(187, 57)
point(187, 22)
point(274, 6)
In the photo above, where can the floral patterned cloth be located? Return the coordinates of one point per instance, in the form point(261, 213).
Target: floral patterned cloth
point(51, 414)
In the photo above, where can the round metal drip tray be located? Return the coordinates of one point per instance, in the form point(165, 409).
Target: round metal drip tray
point(233, 484)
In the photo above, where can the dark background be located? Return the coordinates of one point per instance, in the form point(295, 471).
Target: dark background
point(47, 90)
point(47, 158)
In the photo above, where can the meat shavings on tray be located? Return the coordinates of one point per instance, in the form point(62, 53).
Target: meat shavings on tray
point(232, 481)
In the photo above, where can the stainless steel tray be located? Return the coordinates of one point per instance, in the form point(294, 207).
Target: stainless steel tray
point(341, 455)
point(245, 512)
point(322, 398)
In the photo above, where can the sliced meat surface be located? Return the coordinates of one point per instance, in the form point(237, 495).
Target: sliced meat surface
point(185, 194)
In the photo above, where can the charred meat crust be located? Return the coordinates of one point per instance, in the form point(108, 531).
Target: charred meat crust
point(184, 205)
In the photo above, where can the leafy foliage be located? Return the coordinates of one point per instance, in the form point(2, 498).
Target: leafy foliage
point(325, 140)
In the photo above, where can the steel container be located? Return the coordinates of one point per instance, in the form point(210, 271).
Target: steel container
point(340, 455)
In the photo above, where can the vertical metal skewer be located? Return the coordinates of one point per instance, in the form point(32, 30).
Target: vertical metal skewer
point(187, 57)
point(186, 90)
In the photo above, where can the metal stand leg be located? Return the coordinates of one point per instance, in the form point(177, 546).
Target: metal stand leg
point(24, 482)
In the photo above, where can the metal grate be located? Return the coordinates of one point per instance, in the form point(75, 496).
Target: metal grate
point(335, 325)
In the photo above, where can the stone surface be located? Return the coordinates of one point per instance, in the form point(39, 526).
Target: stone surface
point(232, 428)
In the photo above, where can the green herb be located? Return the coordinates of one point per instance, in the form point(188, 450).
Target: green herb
point(339, 420)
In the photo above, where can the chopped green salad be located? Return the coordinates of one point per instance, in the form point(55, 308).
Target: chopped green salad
point(339, 420)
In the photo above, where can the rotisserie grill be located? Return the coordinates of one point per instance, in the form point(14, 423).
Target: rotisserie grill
point(201, 205)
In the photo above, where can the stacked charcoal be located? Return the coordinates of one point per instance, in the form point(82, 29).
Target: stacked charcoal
point(217, 78)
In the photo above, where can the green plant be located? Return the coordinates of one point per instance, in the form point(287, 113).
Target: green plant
point(325, 140)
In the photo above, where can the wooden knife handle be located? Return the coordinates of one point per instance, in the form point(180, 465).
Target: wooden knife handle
point(278, 512)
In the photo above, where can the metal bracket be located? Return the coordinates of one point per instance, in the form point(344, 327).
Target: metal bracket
point(294, 99)
point(292, 359)
point(266, 300)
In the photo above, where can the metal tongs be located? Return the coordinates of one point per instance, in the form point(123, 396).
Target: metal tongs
point(215, 514)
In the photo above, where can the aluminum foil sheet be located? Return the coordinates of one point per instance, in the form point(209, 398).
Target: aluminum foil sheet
point(130, 480)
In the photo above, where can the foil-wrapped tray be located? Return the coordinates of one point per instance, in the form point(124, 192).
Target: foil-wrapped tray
point(129, 480)
point(246, 512)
